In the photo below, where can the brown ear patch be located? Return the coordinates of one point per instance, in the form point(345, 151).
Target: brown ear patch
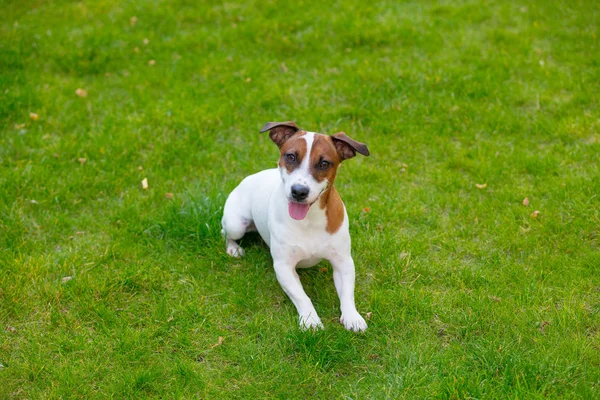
point(280, 132)
point(348, 147)
point(334, 210)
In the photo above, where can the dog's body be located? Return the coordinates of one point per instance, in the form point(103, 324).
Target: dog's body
point(300, 215)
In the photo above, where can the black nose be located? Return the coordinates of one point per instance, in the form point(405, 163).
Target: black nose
point(299, 192)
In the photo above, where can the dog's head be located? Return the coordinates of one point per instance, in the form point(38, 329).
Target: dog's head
point(308, 162)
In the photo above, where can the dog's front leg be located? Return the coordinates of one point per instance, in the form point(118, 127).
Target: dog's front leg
point(343, 277)
point(290, 282)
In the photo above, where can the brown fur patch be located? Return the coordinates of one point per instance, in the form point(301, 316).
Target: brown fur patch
point(323, 149)
point(296, 146)
point(334, 209)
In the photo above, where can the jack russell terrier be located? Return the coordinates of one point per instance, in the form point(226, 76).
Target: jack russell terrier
point(299, 214)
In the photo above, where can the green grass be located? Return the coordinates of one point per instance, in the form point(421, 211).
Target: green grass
point(471, 297)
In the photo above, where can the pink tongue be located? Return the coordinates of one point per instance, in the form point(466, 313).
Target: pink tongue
point(298, 211)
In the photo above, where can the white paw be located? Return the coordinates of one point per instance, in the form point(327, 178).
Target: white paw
point(353, 322)
point(234, 250)
point(310, 321)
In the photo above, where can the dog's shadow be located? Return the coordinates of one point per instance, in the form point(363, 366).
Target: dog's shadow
point(252, 241)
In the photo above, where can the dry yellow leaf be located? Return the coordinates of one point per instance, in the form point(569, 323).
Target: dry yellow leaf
point(81, 92)
point(481, 185)
point(151, 62)
point(34, 116)
point(219, 342)
point(145, 183)
point(82, 160)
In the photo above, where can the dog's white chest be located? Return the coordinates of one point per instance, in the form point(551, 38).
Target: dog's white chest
point(306, 240)
point(309, 247)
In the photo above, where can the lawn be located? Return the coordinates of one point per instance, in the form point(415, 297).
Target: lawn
point(475, 222)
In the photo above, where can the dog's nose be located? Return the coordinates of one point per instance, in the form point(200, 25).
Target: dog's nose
point(299, 192)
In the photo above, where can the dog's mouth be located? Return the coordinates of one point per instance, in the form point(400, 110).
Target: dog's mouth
point(298, 211)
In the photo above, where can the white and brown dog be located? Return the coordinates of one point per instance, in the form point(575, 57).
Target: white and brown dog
point(300, 215)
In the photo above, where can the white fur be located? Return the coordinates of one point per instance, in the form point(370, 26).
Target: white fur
point(261, 202)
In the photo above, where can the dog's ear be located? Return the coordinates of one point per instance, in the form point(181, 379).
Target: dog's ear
point(347, 147)
point(280, 131)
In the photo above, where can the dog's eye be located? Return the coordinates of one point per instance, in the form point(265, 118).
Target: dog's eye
point(290, 158)
point(324, 164)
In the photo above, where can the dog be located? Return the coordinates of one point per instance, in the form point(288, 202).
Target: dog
point(299, 214)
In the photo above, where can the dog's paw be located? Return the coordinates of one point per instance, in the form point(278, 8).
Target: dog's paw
point(234, 250)
point(310, 321)
point(353, 322)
